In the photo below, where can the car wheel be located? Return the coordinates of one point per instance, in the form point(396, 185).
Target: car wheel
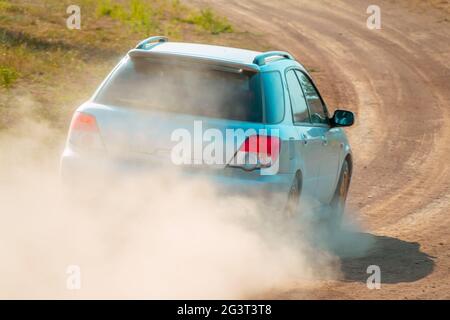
point(293, 202)
point(340, 196)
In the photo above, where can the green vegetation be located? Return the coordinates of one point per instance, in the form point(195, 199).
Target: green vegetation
point(208, 21)
point(106, 8)
point(161, 15)
point(4, 5)
point(7, 76)
point(137, 14)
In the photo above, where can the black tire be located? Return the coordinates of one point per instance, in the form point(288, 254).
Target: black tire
point(293, 202)
point(340, 195)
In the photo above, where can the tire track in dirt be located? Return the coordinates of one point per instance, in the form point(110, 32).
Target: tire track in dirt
point(397, 80)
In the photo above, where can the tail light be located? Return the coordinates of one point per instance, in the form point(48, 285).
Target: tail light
point(257, 152)
point(84, 132)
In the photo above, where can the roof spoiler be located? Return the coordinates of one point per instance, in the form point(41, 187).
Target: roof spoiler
point(140, 53)
point(260, 59)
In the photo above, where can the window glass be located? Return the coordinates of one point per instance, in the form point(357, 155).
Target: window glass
point(298, 103)
point(316, 107)
point(186, 88)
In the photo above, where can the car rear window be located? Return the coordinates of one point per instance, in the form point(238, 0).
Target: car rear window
point(184, 88)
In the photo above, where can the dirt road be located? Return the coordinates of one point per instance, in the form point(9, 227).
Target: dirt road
point(397, 80)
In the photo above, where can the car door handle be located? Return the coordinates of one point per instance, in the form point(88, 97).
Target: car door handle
point(304, 138)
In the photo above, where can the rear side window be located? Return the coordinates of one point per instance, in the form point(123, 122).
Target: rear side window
point(298, 103)
point(184, 88)
point(316, 107)
point(273, 96)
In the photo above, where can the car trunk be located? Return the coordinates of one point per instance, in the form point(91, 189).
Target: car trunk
point(136, 133)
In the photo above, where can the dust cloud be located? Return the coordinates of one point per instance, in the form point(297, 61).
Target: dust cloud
point(158, 235)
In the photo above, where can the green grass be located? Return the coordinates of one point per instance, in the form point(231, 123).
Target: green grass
point(206, 20)
point(106, 8)
point(138, 14)
point(4, 5)
point(144, 16)
point(7, 76)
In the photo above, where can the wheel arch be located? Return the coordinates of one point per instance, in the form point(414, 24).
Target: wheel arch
point(349, 159)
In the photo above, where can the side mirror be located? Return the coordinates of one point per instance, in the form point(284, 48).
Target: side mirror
point(343, 118)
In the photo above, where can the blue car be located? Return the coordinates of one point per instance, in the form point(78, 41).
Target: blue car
point(279, 143)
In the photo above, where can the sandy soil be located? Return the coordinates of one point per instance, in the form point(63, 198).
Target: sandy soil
point(397, 80)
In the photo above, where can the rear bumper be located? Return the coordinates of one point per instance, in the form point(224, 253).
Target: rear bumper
point(272, 190)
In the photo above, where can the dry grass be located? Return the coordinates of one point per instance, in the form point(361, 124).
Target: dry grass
point(51, 69)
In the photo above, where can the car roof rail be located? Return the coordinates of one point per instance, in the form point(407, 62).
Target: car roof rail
point(156, 39)
point(260, 59)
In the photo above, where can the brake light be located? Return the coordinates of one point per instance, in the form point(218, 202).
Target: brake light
point(84, 122)
point(257, 151)
point(84, 132)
